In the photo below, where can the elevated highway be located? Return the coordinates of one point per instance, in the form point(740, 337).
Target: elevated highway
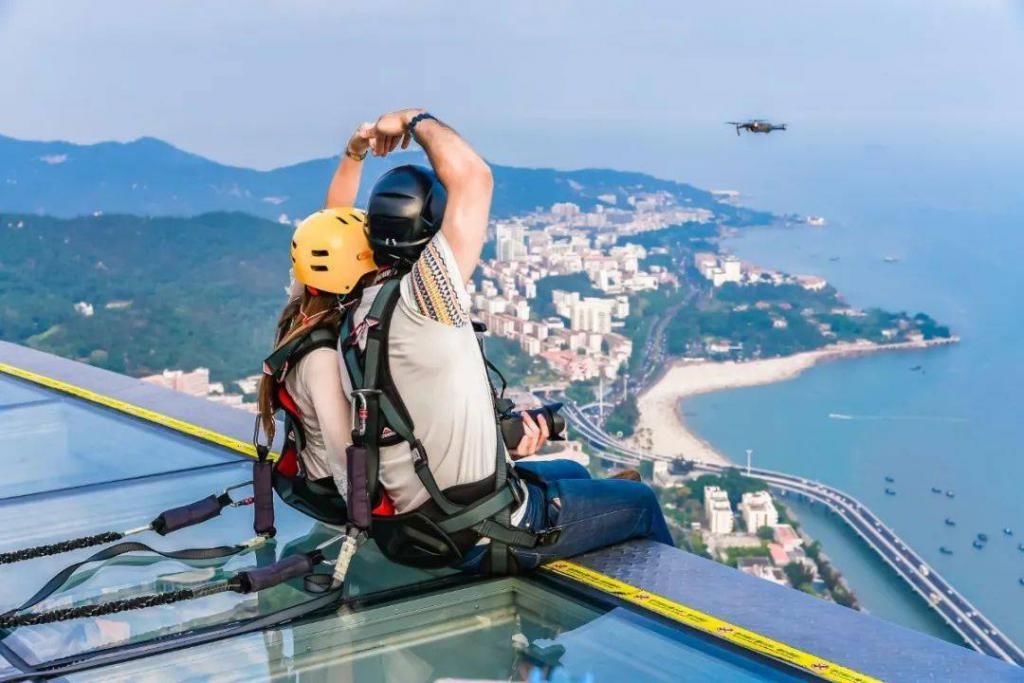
point(956, 610)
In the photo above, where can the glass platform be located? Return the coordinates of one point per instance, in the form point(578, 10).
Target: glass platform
point(76, 469)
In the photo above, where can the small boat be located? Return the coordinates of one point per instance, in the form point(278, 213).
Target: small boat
point(890, 492)
point(889, 479)
point(950, 522)
point(917, 368)
point(1008, 531)
point(978, 544)
point(1020, 547)
point(1021, 581)
point(936, 489)
point(950, 494)
point(833, 258)
point(945, 551)
point(891, 259)
point(983, 538)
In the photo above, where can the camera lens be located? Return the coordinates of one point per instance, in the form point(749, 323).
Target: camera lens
point(512, 424)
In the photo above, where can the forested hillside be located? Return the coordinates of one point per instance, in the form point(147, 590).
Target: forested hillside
point(165, 292)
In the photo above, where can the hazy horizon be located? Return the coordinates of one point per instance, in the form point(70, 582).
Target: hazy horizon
point(537, 84)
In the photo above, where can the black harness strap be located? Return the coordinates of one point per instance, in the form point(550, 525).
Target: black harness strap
point(247, 581)
point(189, 554)
point(166, 522)
point(281, 361)
point(498, 557)
point(488, 517)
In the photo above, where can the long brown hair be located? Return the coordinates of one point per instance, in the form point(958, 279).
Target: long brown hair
point(299, 316)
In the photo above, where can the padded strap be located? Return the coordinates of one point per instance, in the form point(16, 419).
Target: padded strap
point(478, 512)
point(366, 378)
point(289, 355)
point(379, 318)
point(349, 353)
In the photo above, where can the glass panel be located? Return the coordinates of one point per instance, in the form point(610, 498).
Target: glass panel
point(63, 443)
point(52, 517)
point(476, 632)
point(13, 392)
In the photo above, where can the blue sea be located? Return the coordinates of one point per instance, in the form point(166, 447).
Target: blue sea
point(953, 216)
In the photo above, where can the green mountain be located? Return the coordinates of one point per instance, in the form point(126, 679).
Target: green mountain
point(152, 178)
point(182, 292)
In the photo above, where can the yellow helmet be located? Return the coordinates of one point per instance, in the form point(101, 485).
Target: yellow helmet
point(330, 251)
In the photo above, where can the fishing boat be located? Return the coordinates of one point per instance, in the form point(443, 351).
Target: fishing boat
point(890, 492)
point(945, 551)
point(950, 494)
point(1008, 531)
point(936, 489)
point(889, 479)
point(950, 522)
point(983, 538)
point(978, 544)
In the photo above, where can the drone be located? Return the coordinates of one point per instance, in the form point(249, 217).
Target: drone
point(756, 126)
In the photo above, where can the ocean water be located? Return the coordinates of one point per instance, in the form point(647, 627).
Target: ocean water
point(955, 220)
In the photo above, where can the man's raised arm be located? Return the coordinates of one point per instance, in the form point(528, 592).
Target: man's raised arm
point(465, 176)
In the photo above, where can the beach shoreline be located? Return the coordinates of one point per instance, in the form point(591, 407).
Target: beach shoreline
point(661, 426)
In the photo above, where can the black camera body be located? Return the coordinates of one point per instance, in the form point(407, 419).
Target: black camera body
point(511, 423)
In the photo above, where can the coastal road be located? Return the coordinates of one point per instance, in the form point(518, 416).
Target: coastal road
point(956, 610)
point(655, 347)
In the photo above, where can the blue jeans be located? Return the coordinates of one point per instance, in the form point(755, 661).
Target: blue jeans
point(588, 513)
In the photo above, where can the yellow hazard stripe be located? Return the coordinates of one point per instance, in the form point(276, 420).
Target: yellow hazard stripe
point(745, 638)
point(167, 421)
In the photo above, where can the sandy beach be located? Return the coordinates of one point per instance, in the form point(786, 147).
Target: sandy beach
point(662, 429)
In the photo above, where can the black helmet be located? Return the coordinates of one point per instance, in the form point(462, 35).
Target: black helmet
point(405, 210)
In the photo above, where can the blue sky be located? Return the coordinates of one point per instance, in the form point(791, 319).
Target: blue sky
point(641, 85)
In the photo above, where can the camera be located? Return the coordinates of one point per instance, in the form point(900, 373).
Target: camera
point(512, 423)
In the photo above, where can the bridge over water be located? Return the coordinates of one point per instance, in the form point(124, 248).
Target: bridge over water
point(956, 610)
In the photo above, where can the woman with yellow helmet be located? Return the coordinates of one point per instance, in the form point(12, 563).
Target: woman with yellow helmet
point(331, 258)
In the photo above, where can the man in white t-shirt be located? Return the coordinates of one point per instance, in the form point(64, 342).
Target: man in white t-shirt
point(431, 229)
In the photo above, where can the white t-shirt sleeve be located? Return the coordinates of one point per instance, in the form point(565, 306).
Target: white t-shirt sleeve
point(322, 378)
point(434, 287)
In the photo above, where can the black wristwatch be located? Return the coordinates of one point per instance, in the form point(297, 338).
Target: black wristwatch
point(422, 116)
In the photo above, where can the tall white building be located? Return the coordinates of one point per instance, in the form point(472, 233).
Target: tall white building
point(717, 510)
point(729, 269)
point(621, 307)
point(608, 280)
point(564, 302)
point(510, 239)
point(592, 315)
point(733, 269)
point(520, 308)
point(758, 510)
